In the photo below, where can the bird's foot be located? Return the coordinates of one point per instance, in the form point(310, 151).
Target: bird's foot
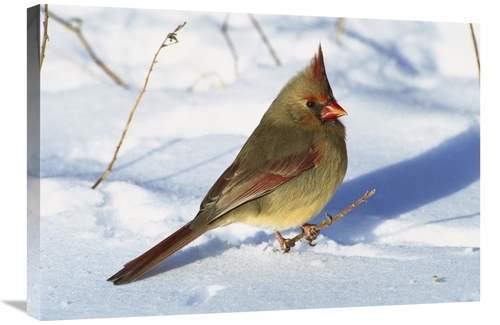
point(285, 244)
point(310, 233)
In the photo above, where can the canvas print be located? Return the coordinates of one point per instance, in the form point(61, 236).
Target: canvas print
point(184, 162)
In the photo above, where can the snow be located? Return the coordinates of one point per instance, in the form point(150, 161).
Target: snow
point(408, 136)
point(412, 95)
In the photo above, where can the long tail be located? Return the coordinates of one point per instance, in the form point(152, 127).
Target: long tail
point(140, 265)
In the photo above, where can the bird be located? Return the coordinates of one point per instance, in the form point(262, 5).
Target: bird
point(284, 175)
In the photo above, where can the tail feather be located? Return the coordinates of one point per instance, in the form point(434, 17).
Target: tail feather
point(140, 265)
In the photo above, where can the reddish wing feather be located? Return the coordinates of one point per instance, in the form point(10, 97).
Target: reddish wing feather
point(236, 187)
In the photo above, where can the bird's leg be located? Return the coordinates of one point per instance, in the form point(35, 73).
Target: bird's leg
point(285, 244)
point(310, 233)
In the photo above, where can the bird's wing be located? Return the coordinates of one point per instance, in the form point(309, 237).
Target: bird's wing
point(236, 186)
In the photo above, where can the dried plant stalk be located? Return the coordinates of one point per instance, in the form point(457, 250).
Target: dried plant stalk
point(264, 39)
point(172, 37)
point(45, 35)
point(76, 29)
point(340, 29)
point(229, 42)
point(475, 50)
point(206, 75)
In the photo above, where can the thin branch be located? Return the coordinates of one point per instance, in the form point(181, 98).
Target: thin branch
point(323, 224)
point(229, 42)
point(80, 65)
point(264, 39)
point(77, 30)
point(476, 50)
point(45, 35)
point(205, 75)
point(172, 37)
point(340, 29)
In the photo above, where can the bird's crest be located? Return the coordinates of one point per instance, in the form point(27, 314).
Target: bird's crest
point(316, 74)
point(317, 65)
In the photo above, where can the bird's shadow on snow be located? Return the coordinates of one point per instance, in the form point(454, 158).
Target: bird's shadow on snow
point(404, 186)
point(212, 248)
point(401, 187)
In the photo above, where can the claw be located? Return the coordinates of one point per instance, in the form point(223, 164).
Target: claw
point(310, 232)
point(285, 244)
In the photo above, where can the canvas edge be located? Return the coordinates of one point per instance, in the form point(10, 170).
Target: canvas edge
point(33, 162)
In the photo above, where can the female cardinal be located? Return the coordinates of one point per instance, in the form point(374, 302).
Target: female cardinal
point(286, 172)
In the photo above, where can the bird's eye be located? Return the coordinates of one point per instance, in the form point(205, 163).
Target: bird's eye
point(310, 104)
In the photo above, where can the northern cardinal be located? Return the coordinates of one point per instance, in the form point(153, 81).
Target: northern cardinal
point(284, 175)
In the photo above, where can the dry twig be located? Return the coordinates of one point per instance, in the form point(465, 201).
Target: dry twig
point(264, 39)
point(229, 42)
point(287, 243)
point(77, 30)
point(45, 35)
point(340, 29)
point(476, 50)
point(205, 75)
point(172, 37)
point(85, 68)
point(224, 29)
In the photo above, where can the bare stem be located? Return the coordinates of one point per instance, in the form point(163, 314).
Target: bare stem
point(264, 39)
point(340, 29)
point(331, 220)
point(173, 40)
point(229, 42)
point(206, 75)
point(77, 30)
point(45, 35)
point(476, 50)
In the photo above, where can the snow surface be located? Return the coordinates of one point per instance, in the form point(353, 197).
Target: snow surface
point(412, 94)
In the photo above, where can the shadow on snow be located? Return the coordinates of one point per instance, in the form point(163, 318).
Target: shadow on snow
point(405, 186)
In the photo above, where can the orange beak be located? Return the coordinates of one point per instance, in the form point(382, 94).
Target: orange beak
point(332, 111)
